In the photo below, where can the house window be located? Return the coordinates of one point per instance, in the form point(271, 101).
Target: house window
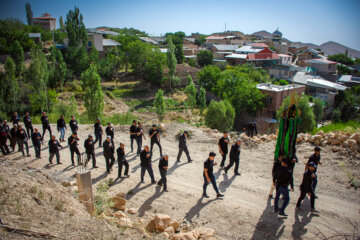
point(269, 100)
point(89, 44)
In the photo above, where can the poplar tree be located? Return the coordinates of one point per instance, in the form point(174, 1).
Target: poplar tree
point(171, 59)
point(160, 104)
point(75, 28)
point(29, 14)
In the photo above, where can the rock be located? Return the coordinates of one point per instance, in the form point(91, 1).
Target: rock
point(355, 136)
point(352, 144)
point(151, 226)
point(206, 232)
point(321, 133)
point(264, 137)
point(131, 211)
point(317, 142)
point(162, 127)
point(106, 217)
point(335, 149)
point(66, 183)
point(165, 235)
point(272, 136)
point(120, 214)
point(318, 137)
point(175, 225)
point(343, 138)
point(299, 137)
point(335, 141)
point(119, 203)
point(73, 183)
point(193, 235)
point(125, 222)
point(161, 221)
point(324, 143)
point(170, 230)
point(312, 139)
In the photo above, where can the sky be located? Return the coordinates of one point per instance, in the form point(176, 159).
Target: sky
point(310, 21)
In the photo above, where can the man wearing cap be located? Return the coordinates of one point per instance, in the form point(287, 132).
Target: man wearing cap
point(145, 158)
point(155, 139)
point(139, 135)
point(108, 152)
point(45, 125)
point(13, 141)
point(234, 157)
point(36, 140)
point(61, 126)
point(22, 139)
point(315, 158)
point(209, 176)
point(306, 187)
point(73, 142)
point(223, 148)
point(110, 132)
point(98, 132)
point(282, 178)
point(163, 168)
point(54, 149)
point(73, 124)
point(132, 132)
point(183, 146)
point(15, 118)
point(89, 146)
point(4, 135)
point(28, 124)
point(122, 161)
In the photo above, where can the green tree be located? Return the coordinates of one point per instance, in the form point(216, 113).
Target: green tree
point(202, 99)
point(191, 92)
point(348, 102)
point(57, 69)
point(341, 58)
point(200, 40)
point(318, 109)
point(109, 66)
point(77, 59)
point(208, 77)
point(93, 95)
point(171, 59)
point(61, 23)
point(343, 70)
point(179, 53)
point(17, 54)
point(75, 28)
point(29, 14)
point(204, 57)
point(281, 82)
point(336, 115)
point(189, 79)
point(11, 85)
point(93, 56)
point(220, 115)
point(154, 66)
point(159, 104)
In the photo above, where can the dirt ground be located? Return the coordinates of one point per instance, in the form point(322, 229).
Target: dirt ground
point(245, 212)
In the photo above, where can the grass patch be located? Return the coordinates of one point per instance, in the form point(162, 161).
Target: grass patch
point(353, 182)
point(102, 200)
point(59, 205)
point(127, 93)
point(351, 127)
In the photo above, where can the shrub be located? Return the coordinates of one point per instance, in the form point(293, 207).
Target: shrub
point(159, 104)
point(204, 57)
point(220, 115)
point(336, 115)
point(192, 62)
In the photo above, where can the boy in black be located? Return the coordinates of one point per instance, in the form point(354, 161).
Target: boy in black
point(315, 158)
point(73, 124)
point(306, 187)
point(13, 134)
point(36, 140)
point(276, 165)
point(73, 142)
point(163, 167)
point(282, 178)
point(61, 126)
point(109, 150)
point(139, 135)
point(4, 135)
point(22, 139)
point(110, 132)
point(183, 146)
point(145, 158)
point(209, 175)
point(28, 124)
point(45, 125)
point(98, 132)
point(15, 118)
point(89, 146)
point(132, 132)
point(234, 157)
point(223, 148)
point(155, 139)
point(122, 161)
point(54, 149)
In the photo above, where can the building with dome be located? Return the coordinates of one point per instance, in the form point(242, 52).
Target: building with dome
point(277, 35)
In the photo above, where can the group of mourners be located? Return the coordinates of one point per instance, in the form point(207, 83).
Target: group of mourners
point(282, 170)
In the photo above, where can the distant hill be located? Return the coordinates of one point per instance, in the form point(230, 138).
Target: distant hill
point(300, 44)
point(331, 48)
point(263, 33)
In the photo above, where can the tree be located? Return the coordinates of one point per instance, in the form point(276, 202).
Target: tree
point(159, 104)
point(179, 53)
point(220, 115)
point(202, 99)
point(204, 57)
point(348, 102)
point(341, 58)
point(93, 95)
point(93, 56)
point(75, 28)
point(77, 59)
point(57, 68)
point(17, 54)
point(336, 115)
point(343, 69)
point(318, 109)
point(154, 66)
point(11, 85)
point(171, 59)
point(29, 14)
point(281, 82)
point(200, 40)
point(61, 23)
point(191, 92)
point(208, 77)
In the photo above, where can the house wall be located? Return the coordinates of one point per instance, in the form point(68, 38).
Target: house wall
point(46, 24)
point(324, 68)
point(97, 41)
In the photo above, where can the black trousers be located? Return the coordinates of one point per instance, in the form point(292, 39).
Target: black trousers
point(3, 146)
point(303, 195)
point(72, 151)
point(181, 150)
point(132, 142)
point(152, 145)
point(121, 163)
point(91, 155)
point(37, 148)
point(28, 128)
point(223, 159)
point(139, 144)
point(150, 171)
point(74, 130)
point(109, 160)
point(232, 161)
point(57, 156)
point(98, 137)
point(21, 145)
point(44, 131)
point(163, 181)
point(13, 142)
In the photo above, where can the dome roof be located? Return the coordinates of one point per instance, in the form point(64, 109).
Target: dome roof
point(277, 32)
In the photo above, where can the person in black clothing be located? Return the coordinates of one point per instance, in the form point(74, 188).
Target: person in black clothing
point(277, 163)
point(163, 168)
point(15, 118)
point(98, 132)
point(183, 146)
point(28, 124)
point(306, 186)
point(315, 158)
point(291, 162)
point(54, 149)
point(61, 126)
point(282, 178)
point(22, 139)
point(139, 135)
point(252, 128)
point(234, 157)
point(223, 148)
point(72, 142)
point(209, 176)
point(4, 135)
point(89, 146)
point(13, 134)
point(73, 124)
point(146, 165)
point(132, 132)
point(155, 139)
point(122, 161)
point(110, 132)
point(45, 125)
point(108, 152)
point(36, 140)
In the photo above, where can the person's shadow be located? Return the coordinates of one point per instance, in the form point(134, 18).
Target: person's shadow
point(135, 190)
point(195, 210)
point(269, 224)
point(226, 182)
point(147, 204)
point(99, 178)
point(298, 228)
point(217, 174)
point(175, 166)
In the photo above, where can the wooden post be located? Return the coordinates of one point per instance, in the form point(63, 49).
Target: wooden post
point(85, 190)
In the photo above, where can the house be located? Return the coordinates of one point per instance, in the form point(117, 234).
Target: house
point(322, 65)
point(189, 41)
point(36, 37)
point(149, 40)
point(348, 80)
point(284, 72)
point(109, 44)
point(46, 22)
point(221, 50)
point(285, 59)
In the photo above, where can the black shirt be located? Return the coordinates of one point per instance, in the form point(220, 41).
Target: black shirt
point(108, 149)
point(110, 131)
point(89, 146)
point(283, 176)
point(315, 159)
point(120, 154)
point(4, 130)
point(21, 134)
point(54, 146)
point(223, 144)
point(73, 124)
point(15, 119)
point(34, 139)
point(133, 130)
point(13, 132)
point(182, 141)
point(235, 151)
point(209, 166)
point(61, 123)
point(74, 144)
point(45, 121)
point(154, 138)
point(27, 121)
point(145, 159)
point(139, 131)
point(163, 163)
point(98, 128)
point(306, 182)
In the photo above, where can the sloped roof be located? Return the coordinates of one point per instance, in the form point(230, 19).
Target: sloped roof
point(248, 49)
point(321, 61)
point(236, 55)
point(104, 32)
point(316, 81)
point(148, 40)
point(224, 47)
point(110, 42)
point(263, 45)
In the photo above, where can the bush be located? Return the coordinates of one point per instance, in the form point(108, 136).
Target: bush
point(318, 109)
point(351, 127)
point(336, 115)
point(220, 115)
point(192, 62)
point(204, 57)
point(208, 77)
point(159, 104)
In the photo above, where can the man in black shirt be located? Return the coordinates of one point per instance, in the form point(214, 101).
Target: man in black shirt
point(73, 124)
point(282, 178)
point(276, 165)
point(89, 146)
point(45, 125)
point(36, 140)
point(108, 152)
point(209, 176)
point(163, 167)
point(315, 158)
point(183, 146)
point(28, 124)
point(146, 165)
point(54, 149)
point(122, 161)
point(4, 135)
point(139, 135)
point(15, 118)
point(234, 157)
point(13, 134)
point(252, 129)
point(110, 132)
point(98, 132)
point(132, 132)
point(61, 126)
point(155, 139)
point(73, 142)
point(22, 139)
point(223, 148)
point(306, 186)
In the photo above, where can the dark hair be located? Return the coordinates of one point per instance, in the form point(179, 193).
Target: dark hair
point(154, 125)
point(225, 131)
point(134, 120)
point(212, 154)
point(317, 149)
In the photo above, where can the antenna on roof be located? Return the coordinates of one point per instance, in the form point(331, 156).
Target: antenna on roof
point(225, 26)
